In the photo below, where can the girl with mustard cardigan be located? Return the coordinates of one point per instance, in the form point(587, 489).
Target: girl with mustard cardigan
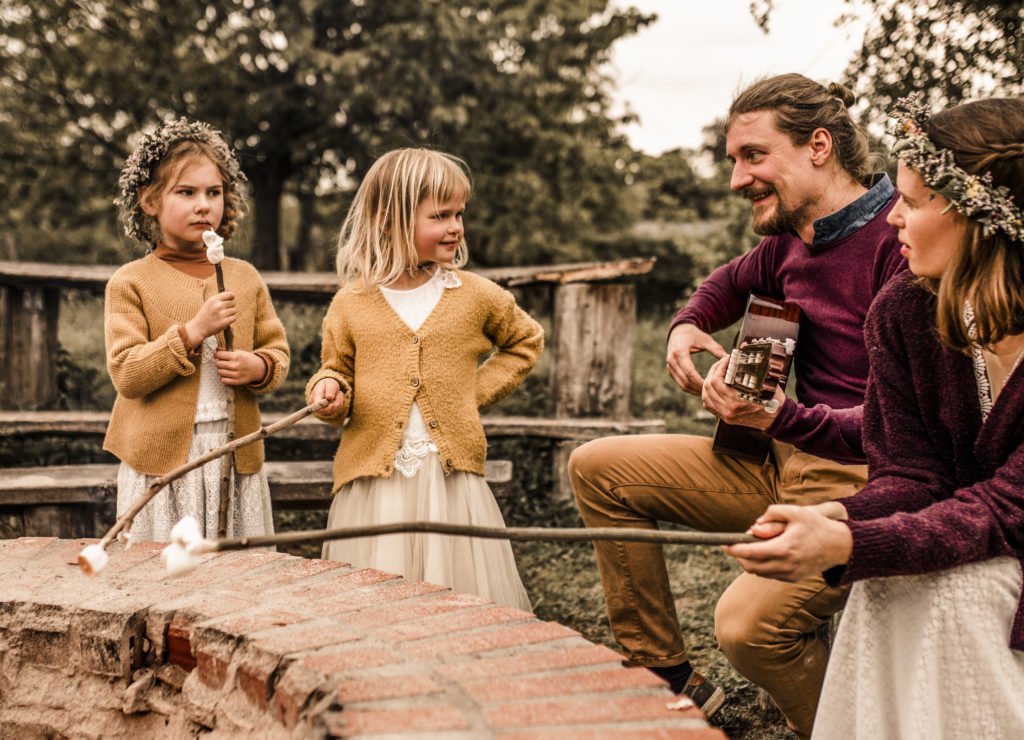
point(402, 341)
point(162, 316)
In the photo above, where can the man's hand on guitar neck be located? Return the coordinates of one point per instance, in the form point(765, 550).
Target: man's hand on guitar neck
point(725, 403)
point(684, 341)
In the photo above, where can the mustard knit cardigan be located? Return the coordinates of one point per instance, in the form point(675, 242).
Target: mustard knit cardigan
point(383, 366)
point(156, 381)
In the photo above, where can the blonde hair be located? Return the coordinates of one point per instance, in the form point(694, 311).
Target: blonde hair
point(985, 136)
point(376, 242)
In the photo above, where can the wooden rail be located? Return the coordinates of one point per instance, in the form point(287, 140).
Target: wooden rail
point(61, 500)
point(73, 423)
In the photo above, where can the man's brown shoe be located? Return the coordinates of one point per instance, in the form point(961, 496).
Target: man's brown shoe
point(708, 697)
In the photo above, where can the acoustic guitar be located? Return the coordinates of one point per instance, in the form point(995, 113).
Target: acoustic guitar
point(760, 362)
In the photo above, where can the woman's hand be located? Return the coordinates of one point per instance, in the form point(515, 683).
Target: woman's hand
point(240, 367)
point(214, 316)
point(800, 541)
point(330, 389)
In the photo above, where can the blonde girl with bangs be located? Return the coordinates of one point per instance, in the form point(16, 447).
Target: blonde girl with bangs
point(401, 368)
point(931, 642)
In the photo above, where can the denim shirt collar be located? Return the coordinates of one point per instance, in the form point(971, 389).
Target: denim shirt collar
point(852, 217)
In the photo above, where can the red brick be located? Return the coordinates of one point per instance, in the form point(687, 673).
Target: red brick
point(350, 659)
point(385, 687)
point(618, 733)
point(24, 547)
point(397, 721)
point(179, 644)
point(581, 682)
point(531, 662)
point(415, 610)
point(380, 593)
point(490, 639)
point(448, 623)
point(314, 591)
point(200, 606)
point(288, 640)
point(228, 565)
point(585, 711)
point(293, 693)
point(213, 669)
point(287, 575)
point(122, 559)
point(254, 675)
point(243, 624)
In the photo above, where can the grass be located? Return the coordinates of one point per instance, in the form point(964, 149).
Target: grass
point(561, 578)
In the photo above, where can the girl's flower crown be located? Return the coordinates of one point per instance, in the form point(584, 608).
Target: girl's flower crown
point(973, 195)
point(138, 169)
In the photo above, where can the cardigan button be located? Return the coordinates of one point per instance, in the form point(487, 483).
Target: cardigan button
point(449, 462)
point(433, 423)
point(415, 382)
point(415, 339)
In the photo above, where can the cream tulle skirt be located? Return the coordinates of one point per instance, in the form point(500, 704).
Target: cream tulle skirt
point(466, 564)
point(923, 657)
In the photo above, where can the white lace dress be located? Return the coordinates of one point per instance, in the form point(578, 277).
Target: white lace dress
point(198, 492)
point(928, 656)
point(419, 491)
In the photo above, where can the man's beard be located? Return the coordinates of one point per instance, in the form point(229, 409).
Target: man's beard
point(782, 220)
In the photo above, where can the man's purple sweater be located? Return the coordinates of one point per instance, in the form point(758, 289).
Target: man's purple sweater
point(945, 489)
point(833, 284)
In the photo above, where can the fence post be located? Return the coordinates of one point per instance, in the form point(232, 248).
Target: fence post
point(594, 338)
point(28, 340)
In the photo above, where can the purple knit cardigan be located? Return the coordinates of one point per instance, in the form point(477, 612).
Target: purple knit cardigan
point(944, 488)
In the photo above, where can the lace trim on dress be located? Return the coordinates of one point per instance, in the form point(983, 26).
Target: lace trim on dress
point(449, 279)
point(980, 369)
point(409, 457)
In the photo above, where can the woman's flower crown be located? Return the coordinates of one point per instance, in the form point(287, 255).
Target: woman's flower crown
point(138, 169)
point(974, 196)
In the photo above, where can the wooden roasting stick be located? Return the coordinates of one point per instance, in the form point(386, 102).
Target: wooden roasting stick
point(520, 534)
point(124, 522)
point(214, 243)
point(228, 463)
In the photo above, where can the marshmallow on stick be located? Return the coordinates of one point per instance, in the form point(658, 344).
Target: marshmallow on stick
point(215, 253)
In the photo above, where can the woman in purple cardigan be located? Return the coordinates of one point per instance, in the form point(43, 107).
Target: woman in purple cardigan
point(931, 642)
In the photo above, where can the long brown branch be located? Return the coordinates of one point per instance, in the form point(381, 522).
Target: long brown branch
point(520, 534)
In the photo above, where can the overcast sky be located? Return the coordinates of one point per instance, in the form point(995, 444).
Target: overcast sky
point(681, 72)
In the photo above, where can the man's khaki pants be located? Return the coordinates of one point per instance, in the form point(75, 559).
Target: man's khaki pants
point(766, 628)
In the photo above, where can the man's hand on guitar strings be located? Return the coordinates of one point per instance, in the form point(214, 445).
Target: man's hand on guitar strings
point(684, 341)
point(727, 404)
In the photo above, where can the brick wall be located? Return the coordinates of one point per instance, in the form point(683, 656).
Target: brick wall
point(268, 644)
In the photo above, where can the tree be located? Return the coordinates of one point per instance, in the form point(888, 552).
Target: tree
point(311, 91)
point(950, 50)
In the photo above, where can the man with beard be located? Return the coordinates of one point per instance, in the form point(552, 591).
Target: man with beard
point(805, 166)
